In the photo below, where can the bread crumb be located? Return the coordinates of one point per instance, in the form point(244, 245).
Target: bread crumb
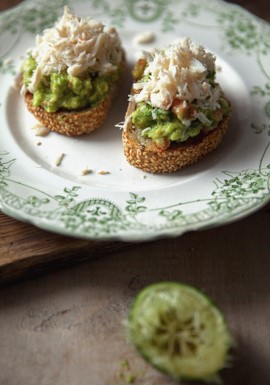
point(7, 61)
point(39, 143)
point(41, 130)
point(103, 172)
point(86, 171)
point(59, 159)
point(144, 37)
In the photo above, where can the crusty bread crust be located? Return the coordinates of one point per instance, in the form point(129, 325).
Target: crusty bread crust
point(71, 123)
point(175, 157)
point(74, 123)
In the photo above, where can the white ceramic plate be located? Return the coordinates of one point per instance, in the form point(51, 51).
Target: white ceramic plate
point(127, 203)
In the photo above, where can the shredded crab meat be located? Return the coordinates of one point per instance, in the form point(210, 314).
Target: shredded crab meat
point(75, 45)
point(179, 71)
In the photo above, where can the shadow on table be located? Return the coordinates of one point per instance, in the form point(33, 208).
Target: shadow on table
point(91, 300)
point(250, 367)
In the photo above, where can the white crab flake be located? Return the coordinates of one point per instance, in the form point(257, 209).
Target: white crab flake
point(120, 125)
point(144, 37)
point(59, 159)
point(41, 130)
point(75, 45)
point(179, 71)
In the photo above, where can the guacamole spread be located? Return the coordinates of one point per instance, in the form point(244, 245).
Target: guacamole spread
point(176, 94)
point(63, 91)
point(176, 124)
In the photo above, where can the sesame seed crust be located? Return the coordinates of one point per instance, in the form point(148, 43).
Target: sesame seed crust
point(176, 156)
point(71, 123)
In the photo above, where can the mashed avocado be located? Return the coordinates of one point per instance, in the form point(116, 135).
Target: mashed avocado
point(60, 90)
point(162, 126)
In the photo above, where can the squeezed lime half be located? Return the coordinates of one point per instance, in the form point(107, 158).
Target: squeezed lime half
point(179, 330)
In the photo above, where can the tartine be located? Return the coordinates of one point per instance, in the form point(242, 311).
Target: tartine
point(177, 111)
point(72, 74)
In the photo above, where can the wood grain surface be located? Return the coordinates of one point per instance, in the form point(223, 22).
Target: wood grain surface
point(26, 250)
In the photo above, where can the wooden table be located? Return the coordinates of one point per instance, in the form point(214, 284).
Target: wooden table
point(65, 327)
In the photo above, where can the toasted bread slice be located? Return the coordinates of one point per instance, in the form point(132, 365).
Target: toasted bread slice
point(176, 156)
point(72, 123)
point(76, 122)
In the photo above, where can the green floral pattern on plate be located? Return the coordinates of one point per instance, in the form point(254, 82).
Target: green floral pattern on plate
point(31, 17)
point(99, 218)
point(233, 193)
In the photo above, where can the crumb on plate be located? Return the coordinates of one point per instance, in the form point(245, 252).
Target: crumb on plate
point(59, 159)
point(144, 37)
point(40, 130)
point(86, 171)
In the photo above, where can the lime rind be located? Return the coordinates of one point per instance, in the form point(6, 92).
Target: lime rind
point(180, 331)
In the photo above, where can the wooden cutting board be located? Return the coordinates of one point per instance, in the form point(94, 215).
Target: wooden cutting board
point(26, 250)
